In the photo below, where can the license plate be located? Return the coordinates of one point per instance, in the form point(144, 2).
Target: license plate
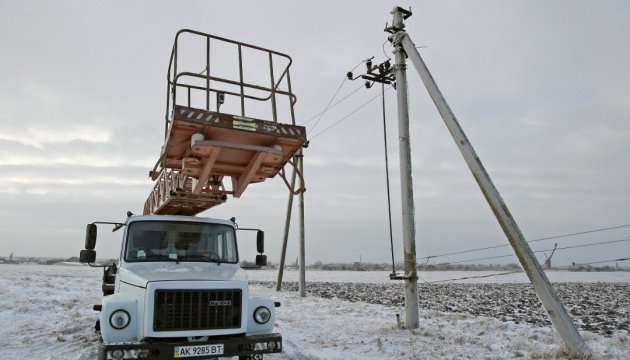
point(198, 350)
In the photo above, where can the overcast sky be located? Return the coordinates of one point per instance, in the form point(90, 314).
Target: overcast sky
point(540, 87)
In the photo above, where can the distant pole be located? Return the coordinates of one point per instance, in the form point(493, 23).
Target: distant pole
point(287, 226)
point(406, 186)
point(302, 284)
point(547, 295)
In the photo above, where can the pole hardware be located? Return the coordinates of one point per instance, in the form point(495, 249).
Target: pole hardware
point(400, 14)
point(385, 75)
point(381, 73)
point(394, 276)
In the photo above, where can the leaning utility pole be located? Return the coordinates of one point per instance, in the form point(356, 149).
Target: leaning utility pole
point(547, 295)
point(298, 161)
point(287, 226)
point(406, 187)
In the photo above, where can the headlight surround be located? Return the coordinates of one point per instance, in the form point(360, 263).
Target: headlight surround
point(262, 314)
point(119, 319)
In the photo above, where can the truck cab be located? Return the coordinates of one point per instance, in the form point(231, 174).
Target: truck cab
point(178, 291)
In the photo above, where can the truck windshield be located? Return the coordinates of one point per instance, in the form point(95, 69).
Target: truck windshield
point(180, 241)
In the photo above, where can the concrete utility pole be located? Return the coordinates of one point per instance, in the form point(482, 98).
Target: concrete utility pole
point(287, 226)
point(406, 186)
point(302, 285)
point(557, 313)
point(299, 163)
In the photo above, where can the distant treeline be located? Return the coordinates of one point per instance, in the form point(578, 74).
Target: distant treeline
point(354, 266)
point(363, 266)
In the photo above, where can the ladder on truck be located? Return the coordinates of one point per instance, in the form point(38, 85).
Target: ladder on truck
point(223, 128)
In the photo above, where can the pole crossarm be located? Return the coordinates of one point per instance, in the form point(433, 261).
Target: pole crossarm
point(547, 295)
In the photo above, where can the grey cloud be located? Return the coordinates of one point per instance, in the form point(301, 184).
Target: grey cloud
point(540, 88)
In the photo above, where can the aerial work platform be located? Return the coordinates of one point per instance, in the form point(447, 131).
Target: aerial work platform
point(209, 154)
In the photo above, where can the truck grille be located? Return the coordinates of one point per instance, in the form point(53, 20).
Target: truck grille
point(177, 310)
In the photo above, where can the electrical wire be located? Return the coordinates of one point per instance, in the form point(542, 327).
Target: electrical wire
point(387, 56)
point(529, 241)
point(327, 106)
point(592, 263)
point(518, 271)
point(333, 105)
point(334, 96)
point(538, 251)
point(389, 201)
point(474, 277)
point(348, 115)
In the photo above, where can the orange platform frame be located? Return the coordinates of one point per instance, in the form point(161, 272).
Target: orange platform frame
point(205, 148)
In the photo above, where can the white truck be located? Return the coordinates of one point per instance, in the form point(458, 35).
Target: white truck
point(178, 291)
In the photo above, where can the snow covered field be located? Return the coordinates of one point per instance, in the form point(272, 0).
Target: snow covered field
point(46, 313)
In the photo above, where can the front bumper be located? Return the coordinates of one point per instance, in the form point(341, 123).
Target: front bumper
point(165, 350)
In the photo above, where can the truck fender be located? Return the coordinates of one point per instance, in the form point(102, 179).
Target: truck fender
point(253, 327)
point(118, 303)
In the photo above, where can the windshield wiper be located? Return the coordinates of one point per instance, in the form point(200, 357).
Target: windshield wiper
point(212, 257)
point(162, 257)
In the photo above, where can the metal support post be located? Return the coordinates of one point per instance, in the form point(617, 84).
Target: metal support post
point(557, 313)
point(287, 226)
point(302, 282)
point(406, 185)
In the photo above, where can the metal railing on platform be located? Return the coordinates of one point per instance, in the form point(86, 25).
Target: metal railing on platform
point(221, 86)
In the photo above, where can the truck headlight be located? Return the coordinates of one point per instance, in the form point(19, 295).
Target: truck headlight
point(119, 319)
point(262, 314)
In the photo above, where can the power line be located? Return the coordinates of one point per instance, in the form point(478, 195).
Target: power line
point(334, 96)
point(474, 277)
point(592, 263)
point(530, 241)
point(581, 232)
point(518, 271)
point(348, 115)
point(333, 105)
point(327, 106)
point(538, 251)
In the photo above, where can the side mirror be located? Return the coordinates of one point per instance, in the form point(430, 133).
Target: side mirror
point(260, 241)
point(261, 260)
point(87, 256)
point(90, 237)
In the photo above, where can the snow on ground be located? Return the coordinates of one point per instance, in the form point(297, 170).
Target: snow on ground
point(598, 307)
point(46, 313)
point(316, 328)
